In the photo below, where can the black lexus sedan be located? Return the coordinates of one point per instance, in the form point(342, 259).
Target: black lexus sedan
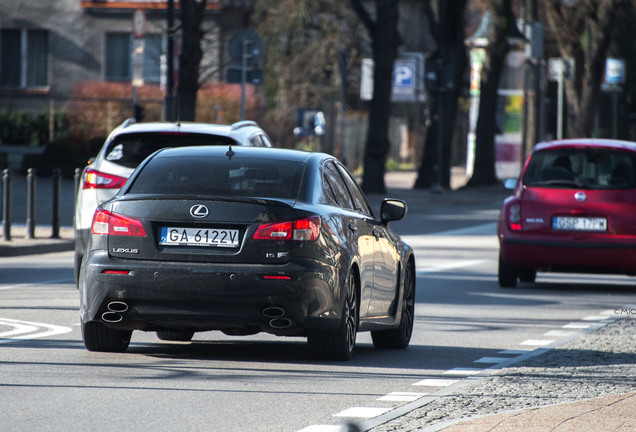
point(246, 240)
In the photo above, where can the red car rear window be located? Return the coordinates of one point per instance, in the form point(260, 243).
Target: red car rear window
point(589, 168)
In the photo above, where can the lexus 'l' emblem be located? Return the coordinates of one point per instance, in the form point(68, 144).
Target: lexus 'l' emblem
point(199, 211)
point(580, 196)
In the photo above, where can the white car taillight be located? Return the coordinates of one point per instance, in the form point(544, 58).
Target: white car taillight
point(514, 217)
point(109, 223)
point(93, 179)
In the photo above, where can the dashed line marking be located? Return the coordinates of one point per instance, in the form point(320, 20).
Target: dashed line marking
point(435, 382)
point(513, 352)
point(537, 342)
point(411, 399)
point(558, 333)
point(595, 318)
point(401, 397)
point(461, 371)
point(579, 326)
point(362, 412)
point(324, 428)
point(493, 360)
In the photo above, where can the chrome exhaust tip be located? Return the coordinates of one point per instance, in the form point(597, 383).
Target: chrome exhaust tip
point(280, 323)
point(117, 306)
point(273, 312)
point(112, 317)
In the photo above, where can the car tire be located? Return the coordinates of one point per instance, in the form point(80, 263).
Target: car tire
point(98, 337)
point(506, 274)
point(338, 345)
point(527, 275)
point(400, 337)
point(175, 336)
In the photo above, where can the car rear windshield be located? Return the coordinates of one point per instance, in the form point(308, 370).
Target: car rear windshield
point(130, 150)
point(236, 177)
point(582, 169)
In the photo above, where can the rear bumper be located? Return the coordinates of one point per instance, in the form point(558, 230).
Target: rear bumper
point(234, 298)
point(584, 257)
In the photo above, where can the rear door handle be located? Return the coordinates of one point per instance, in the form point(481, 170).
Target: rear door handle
point(353, 227)
point(376, 234)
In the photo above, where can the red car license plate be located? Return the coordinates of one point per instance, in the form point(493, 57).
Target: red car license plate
point(569, 223)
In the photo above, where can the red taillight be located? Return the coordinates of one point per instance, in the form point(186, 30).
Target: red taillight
point(116, 272)
point(514, 217)
point(108, 223)
point(307, 229)
point(93, 179)
point(276, 277)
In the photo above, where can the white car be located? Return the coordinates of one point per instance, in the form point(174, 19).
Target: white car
point(129, 144)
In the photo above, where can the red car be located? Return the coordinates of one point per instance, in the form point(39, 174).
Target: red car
point(573, 210)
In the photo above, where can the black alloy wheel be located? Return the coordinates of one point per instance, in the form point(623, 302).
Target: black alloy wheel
point(400, 337)
point(339, 345)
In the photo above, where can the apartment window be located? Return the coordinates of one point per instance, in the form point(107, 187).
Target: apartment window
point(119, 62)
point(24, 58)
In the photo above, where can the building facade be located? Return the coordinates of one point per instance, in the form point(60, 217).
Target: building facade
point(48, 47)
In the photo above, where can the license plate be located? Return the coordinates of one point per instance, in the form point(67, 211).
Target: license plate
point(568, 223)
point(172, 236)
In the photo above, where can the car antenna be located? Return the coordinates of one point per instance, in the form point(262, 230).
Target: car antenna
point(230, 153)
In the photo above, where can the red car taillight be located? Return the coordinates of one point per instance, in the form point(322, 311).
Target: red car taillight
point(109, 223)
point(307, 229)
point(514, 217)
point(94, 179)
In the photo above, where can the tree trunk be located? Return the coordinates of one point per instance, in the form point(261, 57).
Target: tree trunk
point(190, 54)
point(450, 42)
point(385, 41)
point(484, 168)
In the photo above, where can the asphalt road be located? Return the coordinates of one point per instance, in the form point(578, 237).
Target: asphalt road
point(464, 324)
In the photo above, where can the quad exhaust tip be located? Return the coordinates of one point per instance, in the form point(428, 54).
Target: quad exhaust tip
point(277, 317)
point(115, 311)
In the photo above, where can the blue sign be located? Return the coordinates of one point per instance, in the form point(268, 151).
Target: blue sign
point(404, 75)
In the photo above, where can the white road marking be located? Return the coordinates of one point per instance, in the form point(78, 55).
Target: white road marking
point(325, 428)
point(24, 330)
point(459, 371)
point(558, 333)
point(537, 342)
point(401, 396)
point(513, 352)
point(362, 412)
point(595, 318)
point(579, 326)
point(435, 382)
point(493, 360)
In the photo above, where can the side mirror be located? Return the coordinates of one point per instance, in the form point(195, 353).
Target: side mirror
point(391, 210)
point(510, 183)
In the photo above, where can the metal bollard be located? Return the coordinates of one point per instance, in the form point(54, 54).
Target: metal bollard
point(57, 186)
point(76, 178)
point(30, 219)
point(6, 204)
